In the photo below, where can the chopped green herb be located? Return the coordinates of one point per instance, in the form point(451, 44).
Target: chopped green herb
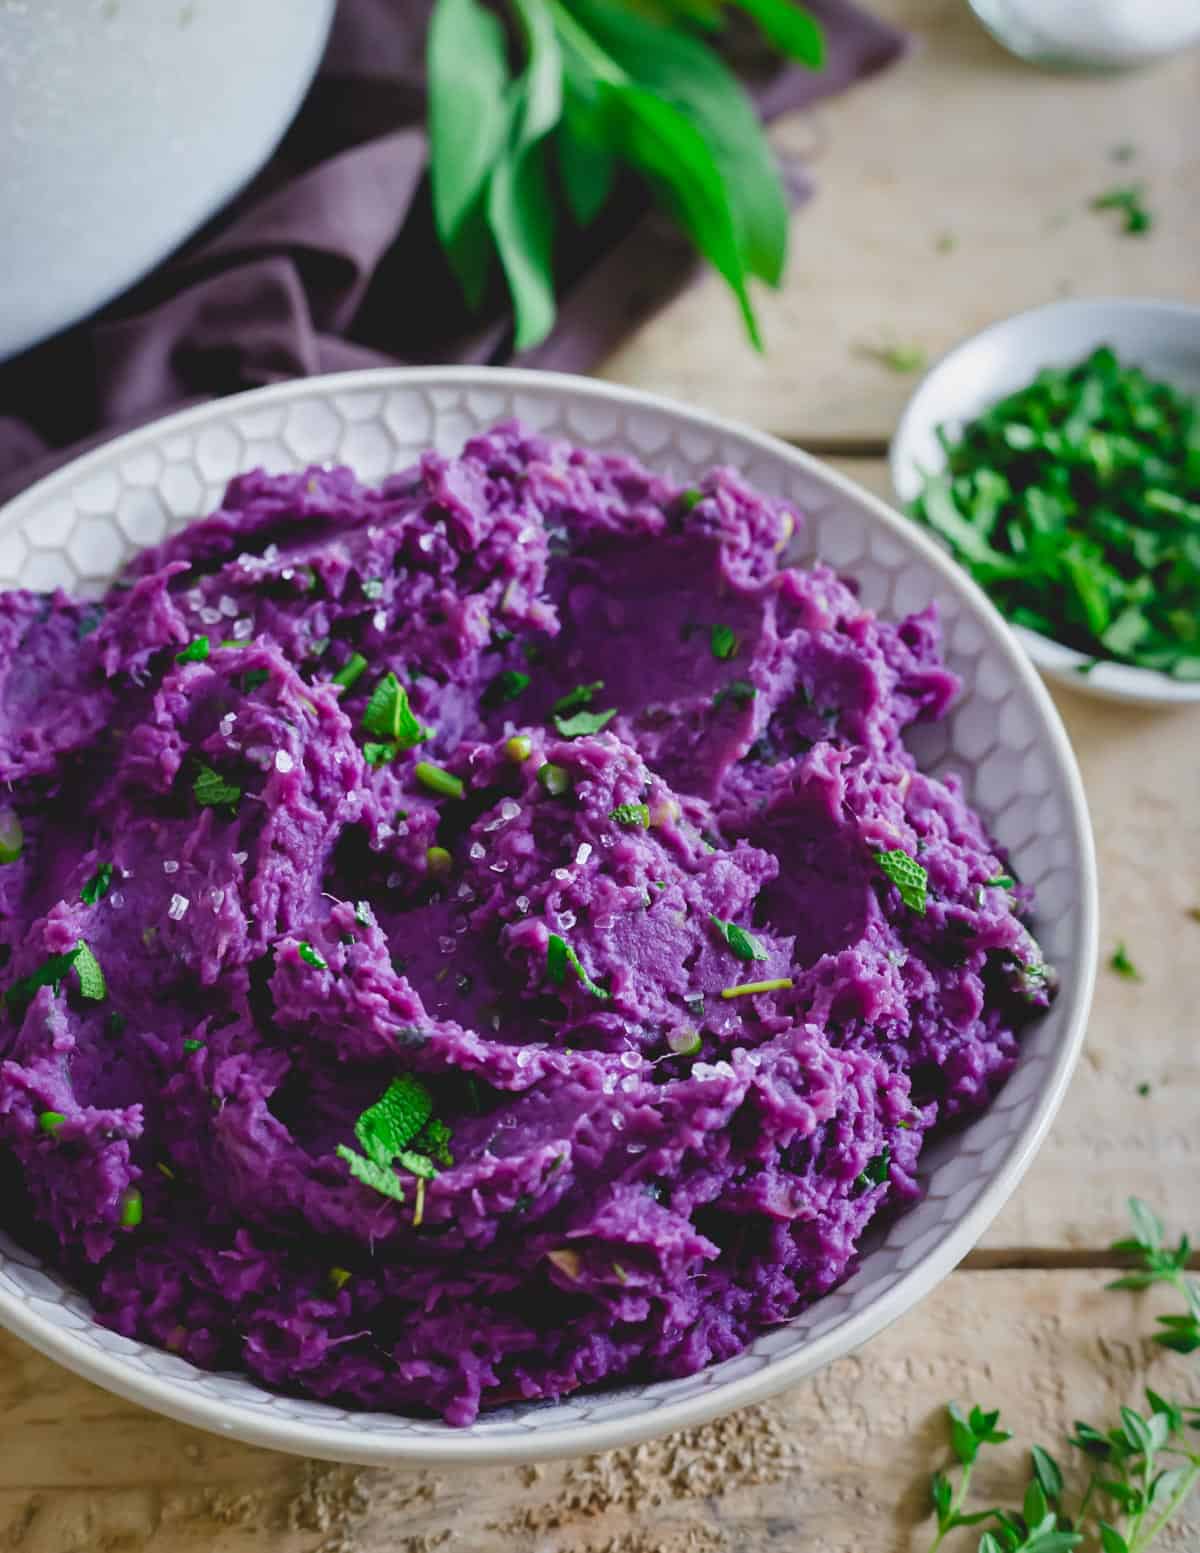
point(946, 243)
point(49, 973)
point(378, 754)
point(519, 748)
point(743, 944)
point(311, 956)
point(689, 498)
point(555, 779)
point(507, 686)
point(581, 723)
point(559, 957)
point(339, 1277)
point(684, 1042)
point(191, 1044)
point(438, 861)
point(351, 671)
point(362, 913)
point(380, 1178)
point(196, 651)
point(91, 978)
point(898, 358)
point(12, 836)
point(98, 886)
point(875, 1172)
point(416, 1164)
point(1073, 503)
point(434, 1140)
point(389, 714)
point(213, 791)
point(723, 641)
point(1000, 882)
point(582, 695)
point(50, 1121)
point(747, 989)
point(631, 814)
point(253, 678)
point(739, 691)
point(394, 1121)
point(1143, 1090)
point(116, 1024)
point(1120, 962)
point(131, 1208)
point(909, 877)
point(372, 588)
point(1130, 201)
point(444, 783)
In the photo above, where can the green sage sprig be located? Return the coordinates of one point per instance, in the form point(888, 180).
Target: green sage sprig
point(599, 85)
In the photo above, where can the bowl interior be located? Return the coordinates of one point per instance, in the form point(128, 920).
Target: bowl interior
point(1161, 337)
point(1003, 739)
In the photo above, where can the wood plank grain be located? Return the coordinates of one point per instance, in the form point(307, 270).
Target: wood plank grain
point(958, 141)
point(838, 1465)
point(1141, 771)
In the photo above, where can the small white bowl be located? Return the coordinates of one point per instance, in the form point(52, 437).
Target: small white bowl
point(1163, 338)
point(1003, 738)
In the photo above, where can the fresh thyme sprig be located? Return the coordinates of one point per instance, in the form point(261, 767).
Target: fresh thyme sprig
point(600, 85)
point(1141, 1471)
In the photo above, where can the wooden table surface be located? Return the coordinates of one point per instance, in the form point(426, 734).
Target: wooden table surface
point(958, 142)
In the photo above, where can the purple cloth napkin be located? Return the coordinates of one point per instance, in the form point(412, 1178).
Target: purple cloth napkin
point(329, 260)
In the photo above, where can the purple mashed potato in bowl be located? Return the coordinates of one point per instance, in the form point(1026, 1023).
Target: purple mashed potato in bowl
point(483, 937)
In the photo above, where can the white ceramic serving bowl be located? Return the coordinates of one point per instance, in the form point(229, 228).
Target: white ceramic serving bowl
point(125, 125)
point(1163, 338)
point(1004, 738)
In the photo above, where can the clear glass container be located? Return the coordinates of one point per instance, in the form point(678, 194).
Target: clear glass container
point(1091, 34)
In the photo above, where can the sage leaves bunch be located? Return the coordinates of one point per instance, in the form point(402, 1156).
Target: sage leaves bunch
point(536, 106)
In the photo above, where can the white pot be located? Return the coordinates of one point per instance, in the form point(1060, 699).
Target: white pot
point(125, 125)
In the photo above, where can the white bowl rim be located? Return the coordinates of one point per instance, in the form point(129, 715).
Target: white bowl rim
point(462, 1446)
point(1109, 678)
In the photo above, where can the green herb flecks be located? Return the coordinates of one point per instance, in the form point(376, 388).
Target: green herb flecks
point(560, 958)
point(98, 886)
point(738, 691)
point(556, 780)
point(1130, 201)
point(690, 498)
point(1120, 962)
point(743, 944)
point(581, 723)
point(53, 971)
point(311, 956)
point(389, 716)
point(1072, 502)
point(131, 1208)
point(196, 651)
point(351, 671)
point(378, 754)
point(91, 978)
point(909, 877)
point(592, 87)
point(634, 815)
point(723, 642)
point(507, 686)
point(12, 836)
point(436, 780)
point(213, 791)
point(875, 1171)
point(50, 1121)
point(750, 989)
point(898, 358)
point(1000, 882)
point(253, 678)
point(191, 1044)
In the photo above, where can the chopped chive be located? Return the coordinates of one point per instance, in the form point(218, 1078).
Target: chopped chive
point(631, 814)
point(196, 651)
point(437, 780)
point(98, 886)
point(875, 1172)
point(12, 836)
point(555, 779)
point(1000, 882)
point(191, 1044)
point(507, 686)
point(438, 860)
point(351, 671)
point(743, 944)
point(131, 1208)
point(723, 642)
point(339, 1277)
point(1123, 965)
point(50, 1121)
point(519, 748)
point(560, 957)
point(690, 498)
point(750, 988)
point(684, 1042)
point(311, 956)
point(378, 754)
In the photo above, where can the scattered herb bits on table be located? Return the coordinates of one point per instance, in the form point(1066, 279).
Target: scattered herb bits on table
point(482, 936)
point(1075, 503)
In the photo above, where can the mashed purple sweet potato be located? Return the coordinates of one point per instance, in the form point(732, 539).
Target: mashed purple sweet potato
point(484, 936)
